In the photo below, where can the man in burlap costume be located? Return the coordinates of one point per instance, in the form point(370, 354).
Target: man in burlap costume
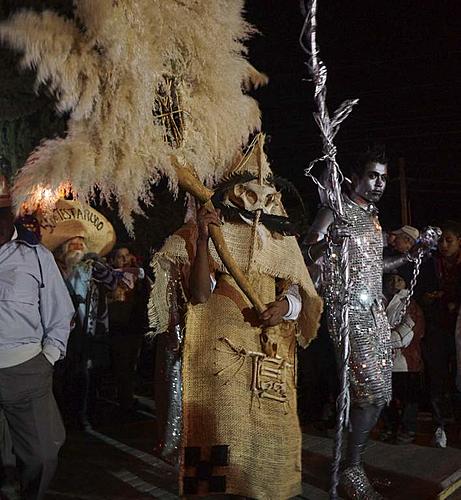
point(239, 431)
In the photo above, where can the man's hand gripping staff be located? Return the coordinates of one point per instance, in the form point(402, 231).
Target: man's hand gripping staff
point(209, 225)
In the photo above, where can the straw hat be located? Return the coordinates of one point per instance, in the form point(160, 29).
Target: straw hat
point(71, 218)
point(5, 198)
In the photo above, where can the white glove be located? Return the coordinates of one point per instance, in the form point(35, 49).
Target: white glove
point(402, 336)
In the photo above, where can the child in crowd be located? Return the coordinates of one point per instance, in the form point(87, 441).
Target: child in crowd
point(406, 335)
point(400, 242)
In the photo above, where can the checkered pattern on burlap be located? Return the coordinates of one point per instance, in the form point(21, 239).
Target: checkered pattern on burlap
point(260, 438)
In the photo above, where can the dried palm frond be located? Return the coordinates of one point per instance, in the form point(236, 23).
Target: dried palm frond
point(72, 72)
point(110, 67)
point(255, 78)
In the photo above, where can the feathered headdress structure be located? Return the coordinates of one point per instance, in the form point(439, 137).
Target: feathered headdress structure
point(141, 80)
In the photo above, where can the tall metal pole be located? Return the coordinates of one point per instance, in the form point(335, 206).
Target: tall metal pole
point(329, 127)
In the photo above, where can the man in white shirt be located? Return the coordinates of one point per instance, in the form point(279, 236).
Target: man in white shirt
point(35, 317)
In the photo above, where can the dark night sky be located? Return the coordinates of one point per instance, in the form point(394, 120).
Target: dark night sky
point(402, 59)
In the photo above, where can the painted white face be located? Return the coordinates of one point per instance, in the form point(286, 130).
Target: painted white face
point(252, 196)
point(373, 182)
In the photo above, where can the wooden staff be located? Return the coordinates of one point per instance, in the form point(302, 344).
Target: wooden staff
point(189, 182)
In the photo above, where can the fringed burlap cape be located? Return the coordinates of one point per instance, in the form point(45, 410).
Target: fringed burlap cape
point(240, 430)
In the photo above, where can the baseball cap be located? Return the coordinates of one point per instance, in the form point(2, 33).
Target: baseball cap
point(410, 231)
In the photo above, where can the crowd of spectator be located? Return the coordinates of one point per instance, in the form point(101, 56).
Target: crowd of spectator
point(71, 315)
point(108, 298)
point(426, 371)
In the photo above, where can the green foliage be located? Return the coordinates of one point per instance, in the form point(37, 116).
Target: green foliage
point(26, 116)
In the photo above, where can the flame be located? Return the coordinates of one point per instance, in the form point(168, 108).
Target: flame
point(43, 198)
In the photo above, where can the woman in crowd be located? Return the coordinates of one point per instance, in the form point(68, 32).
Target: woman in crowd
point(439, 292)
point(127, 323)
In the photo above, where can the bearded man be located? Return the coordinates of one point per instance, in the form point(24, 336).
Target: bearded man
point(79, 236)
point(70, 254)
point(237, 420)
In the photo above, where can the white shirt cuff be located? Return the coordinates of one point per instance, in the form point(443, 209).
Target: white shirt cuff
point(212, 283)
point(294, 303)
point(51, 353)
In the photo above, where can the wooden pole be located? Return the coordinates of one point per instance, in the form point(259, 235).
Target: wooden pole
point(190, 183)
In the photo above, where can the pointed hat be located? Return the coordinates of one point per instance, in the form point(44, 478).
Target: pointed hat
point(254, 160)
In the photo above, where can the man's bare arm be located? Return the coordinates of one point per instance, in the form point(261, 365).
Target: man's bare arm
point(199, 281)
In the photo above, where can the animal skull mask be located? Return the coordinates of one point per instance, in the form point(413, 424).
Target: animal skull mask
point(254, 196)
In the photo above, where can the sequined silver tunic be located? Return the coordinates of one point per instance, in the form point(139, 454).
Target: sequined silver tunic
point(370, 362)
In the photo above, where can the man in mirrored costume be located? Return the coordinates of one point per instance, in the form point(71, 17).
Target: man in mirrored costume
point(370, 361)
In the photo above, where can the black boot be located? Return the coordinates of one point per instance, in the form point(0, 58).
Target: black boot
point(353, 479)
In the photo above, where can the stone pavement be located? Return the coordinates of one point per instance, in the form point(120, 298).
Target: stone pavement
point(115, 461)
point(399, 472)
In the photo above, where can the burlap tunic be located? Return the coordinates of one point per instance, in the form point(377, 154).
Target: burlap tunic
point(240, 433)
point(257, 439)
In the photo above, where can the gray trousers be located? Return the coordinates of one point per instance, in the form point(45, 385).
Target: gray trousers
point(34, 423)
